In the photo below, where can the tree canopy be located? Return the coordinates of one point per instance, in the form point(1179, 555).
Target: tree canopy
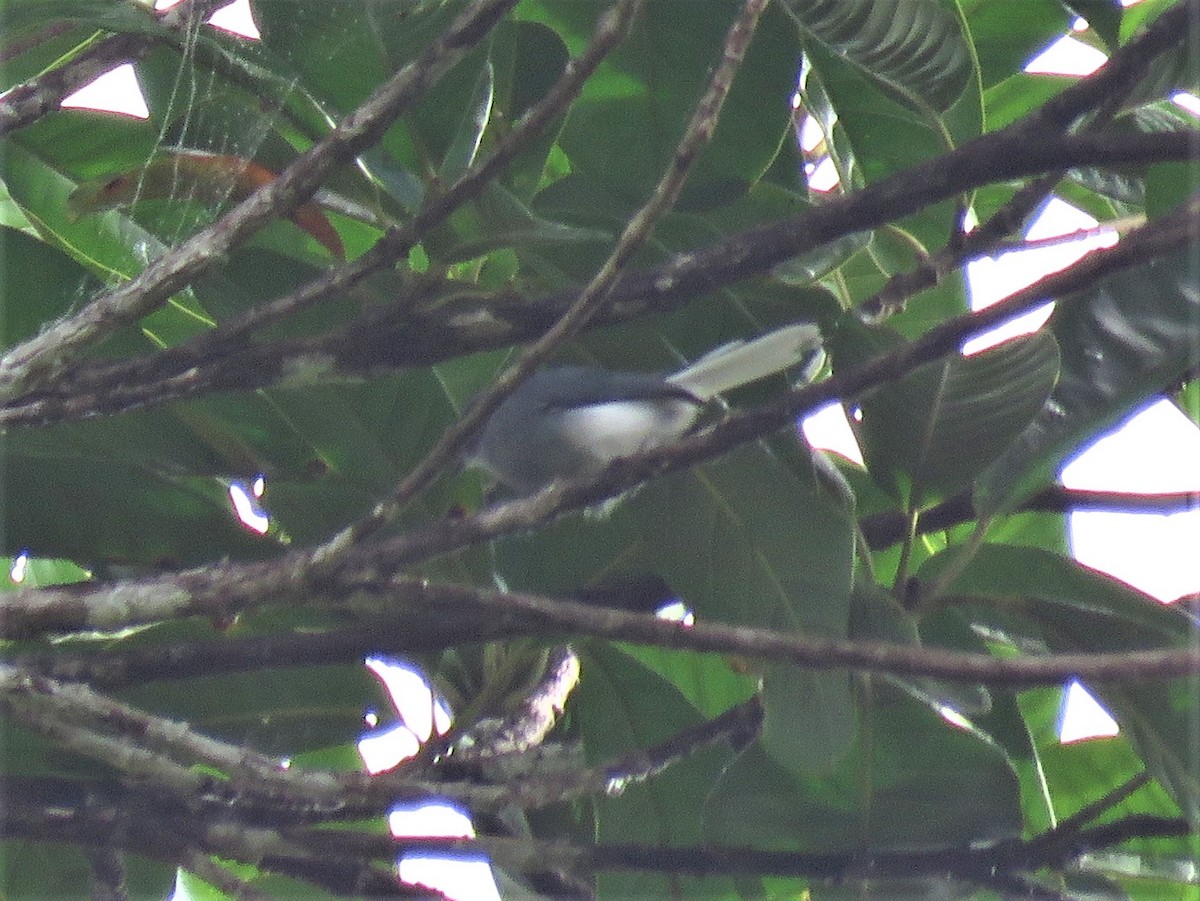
point(248, 340)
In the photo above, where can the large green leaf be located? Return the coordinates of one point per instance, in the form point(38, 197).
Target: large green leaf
point(916, 48)
point(902, 786)
point(622, 708)
point(1072, 609)
point(632, 113)
point(942, 424)
point(53, 870)
point(1121, 342)
point(752, 538)
point(891, 85)
point(140, 489)
point(755, 538)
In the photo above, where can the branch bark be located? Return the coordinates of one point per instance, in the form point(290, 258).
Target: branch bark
point(28, 102)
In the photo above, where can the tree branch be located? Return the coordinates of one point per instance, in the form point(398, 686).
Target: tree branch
point(975, 864)
point(887, 528)
point(111, 817)
point(411, 335)
point(552, 617)
point(28, 102)
point(224, 589)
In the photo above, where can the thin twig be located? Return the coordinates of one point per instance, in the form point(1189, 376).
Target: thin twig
point(1062, 840)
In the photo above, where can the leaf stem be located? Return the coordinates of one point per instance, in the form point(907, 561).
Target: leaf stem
point(911, 516)
point(937, 588)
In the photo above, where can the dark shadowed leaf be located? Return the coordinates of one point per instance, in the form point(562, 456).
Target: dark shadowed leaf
point(624, 707)
point(942, 424)
point(1071, 609)
point(915, 48)
point(757, 538)
point(1120, 342)
point(902, 785)
point(622, 132)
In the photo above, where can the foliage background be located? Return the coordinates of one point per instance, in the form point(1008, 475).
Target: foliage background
point(167, 338)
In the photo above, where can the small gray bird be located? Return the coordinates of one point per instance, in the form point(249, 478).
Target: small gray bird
point(567, 421)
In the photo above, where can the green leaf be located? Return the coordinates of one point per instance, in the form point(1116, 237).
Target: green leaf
point(499, 220)
point(341, 53)
point(915, 48)
point(902, 89)
point(623, 130)
point(1103, 17)
point(1187, 398)
point(1059, 595)
point(1175, 70)
point(902, 786)
point(708, 681)
point(279, 711)
point(622, 708)
point(462, 150)
point(1168, 185)
point(1018, 95)
point(1073, 609)
point(26, 15)
point(1006, 35)
point(942, 424)
point(876, 616)
point(1121, 342)
point(123, 512)
point(756, 538)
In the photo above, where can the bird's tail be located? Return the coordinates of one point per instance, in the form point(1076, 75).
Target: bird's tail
point(742, 362)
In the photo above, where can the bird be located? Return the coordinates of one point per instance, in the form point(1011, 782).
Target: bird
point(568, 421)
